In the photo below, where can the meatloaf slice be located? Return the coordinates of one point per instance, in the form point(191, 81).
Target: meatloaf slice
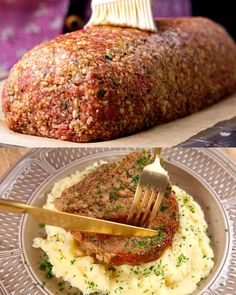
point(107, 193)
point(106, 82)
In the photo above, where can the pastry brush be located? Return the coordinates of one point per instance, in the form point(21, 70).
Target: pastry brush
point(124, 13)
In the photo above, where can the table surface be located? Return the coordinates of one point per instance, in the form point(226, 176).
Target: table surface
point(9, 156)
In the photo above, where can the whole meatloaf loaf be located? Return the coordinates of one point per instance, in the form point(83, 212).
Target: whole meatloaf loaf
point(107, 193)
point(105, 82)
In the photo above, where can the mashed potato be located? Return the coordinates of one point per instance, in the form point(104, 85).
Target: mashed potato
point(177, 272)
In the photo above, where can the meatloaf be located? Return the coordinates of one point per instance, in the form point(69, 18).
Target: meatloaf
point(105, 82)
point(107, 193)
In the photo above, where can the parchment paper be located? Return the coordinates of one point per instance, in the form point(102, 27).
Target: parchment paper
point(165, 135)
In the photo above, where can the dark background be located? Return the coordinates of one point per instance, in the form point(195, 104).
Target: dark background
point(223, 12)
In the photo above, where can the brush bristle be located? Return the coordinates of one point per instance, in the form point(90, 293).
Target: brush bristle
point(127, 13)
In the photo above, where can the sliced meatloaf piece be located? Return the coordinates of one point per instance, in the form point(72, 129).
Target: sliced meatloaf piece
point(107, 193)
point(106, 82)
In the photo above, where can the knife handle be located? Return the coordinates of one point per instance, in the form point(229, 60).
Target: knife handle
point(15, 207)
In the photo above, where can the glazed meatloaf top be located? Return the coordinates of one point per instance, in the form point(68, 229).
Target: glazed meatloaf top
point(107, 193)
point(106, 82)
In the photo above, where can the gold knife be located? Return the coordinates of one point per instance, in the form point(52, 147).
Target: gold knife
point(76, 222)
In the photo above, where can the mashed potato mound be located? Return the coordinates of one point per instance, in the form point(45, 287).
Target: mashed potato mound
point(177, 272)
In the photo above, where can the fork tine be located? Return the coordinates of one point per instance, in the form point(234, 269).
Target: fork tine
point(147, 199)
point(151, 200)
point(137, 197)
point(156, 206)
point(144, 201)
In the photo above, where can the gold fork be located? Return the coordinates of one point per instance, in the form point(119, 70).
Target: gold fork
point(150, 191)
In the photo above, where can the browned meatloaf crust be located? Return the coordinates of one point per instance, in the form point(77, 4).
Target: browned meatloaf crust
point(104, 82)
point(107, 193)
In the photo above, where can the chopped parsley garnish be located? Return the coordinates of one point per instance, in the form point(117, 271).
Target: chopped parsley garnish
point(91, 285)
point(192, 208)
point(114, 196)
point(99, 193)
point(163, 208)
point(117, 189)
point(186, 199)
point(41, 225)
point(158, 238)
point(146, 242)
point(135, 179)
point(142, 161)
point(119, 207)
point(47, 267)
point(181, 259)
point(143, 244)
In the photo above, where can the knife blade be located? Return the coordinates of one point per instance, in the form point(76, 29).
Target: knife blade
point(74, 221)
